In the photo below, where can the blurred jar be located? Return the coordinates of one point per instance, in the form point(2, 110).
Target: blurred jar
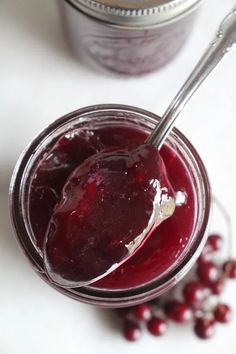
point(130, 37)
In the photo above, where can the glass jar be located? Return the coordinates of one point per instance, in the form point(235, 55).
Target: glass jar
point(130, 37)
point(110, 116)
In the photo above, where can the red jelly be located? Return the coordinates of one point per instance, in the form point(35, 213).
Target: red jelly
point(171, 248)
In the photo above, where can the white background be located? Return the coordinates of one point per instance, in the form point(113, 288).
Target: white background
point(40, 80)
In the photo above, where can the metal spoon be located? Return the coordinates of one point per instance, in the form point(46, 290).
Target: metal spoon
point(222, 43)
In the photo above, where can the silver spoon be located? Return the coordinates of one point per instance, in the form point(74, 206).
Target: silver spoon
point(222, 43)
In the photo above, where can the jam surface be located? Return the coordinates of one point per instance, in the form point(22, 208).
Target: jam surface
point(165, 244)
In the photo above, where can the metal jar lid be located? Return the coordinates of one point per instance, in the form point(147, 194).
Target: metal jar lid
point(134, 12)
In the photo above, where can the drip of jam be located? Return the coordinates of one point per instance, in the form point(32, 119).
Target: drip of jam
point(109, 206)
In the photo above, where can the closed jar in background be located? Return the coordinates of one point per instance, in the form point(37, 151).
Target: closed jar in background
point(130, 37)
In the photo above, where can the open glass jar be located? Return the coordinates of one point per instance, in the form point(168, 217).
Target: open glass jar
point(128, 37)
point(122, 124)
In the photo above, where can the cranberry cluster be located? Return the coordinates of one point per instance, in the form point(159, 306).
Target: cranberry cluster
point(196, 300)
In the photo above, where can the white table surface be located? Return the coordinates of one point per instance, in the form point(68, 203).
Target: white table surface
point(40, 80)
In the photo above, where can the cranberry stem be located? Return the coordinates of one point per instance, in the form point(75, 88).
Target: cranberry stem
point(228, 222)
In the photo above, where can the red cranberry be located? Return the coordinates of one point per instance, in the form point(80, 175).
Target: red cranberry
point(131, 331)
point(229, 268)
point(195, 293)
point(206, 255)
point(157, 326)
point(215, 241)
point(204, 328)
point(217, 287)
point(222, 313)
point(142, 312)
point(204, 258)
point(208, 273)
point(179, 312)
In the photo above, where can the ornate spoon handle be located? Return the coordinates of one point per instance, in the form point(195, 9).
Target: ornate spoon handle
point(221, 45)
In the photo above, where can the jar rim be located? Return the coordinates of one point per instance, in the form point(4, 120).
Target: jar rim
point(86, 294)
point(134, 12)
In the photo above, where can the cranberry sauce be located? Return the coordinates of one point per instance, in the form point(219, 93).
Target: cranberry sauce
point(165, 245)
point(109, 206)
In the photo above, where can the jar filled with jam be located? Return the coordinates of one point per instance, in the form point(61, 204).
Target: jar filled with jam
point(40, 185)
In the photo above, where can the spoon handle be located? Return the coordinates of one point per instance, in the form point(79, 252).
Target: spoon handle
point(221, 45)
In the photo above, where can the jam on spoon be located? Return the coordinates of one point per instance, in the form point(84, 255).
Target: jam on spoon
point(109, 206)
